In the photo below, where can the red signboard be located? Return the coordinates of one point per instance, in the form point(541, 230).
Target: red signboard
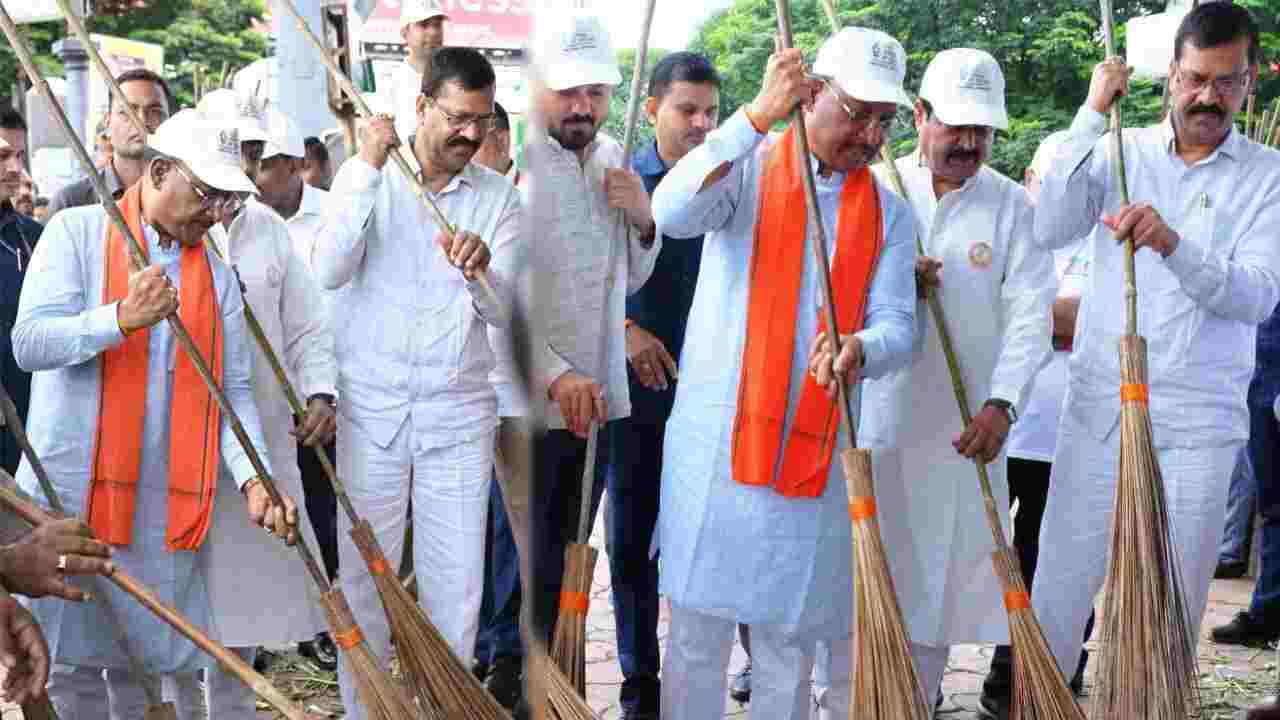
point(472, 23)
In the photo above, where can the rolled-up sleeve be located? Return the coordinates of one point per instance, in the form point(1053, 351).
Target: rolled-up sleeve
point(338, 251)
point(887, 335)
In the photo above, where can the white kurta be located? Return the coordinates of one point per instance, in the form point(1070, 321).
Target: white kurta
point(285, 300)
point(406, 87)
point(737, 551)
point(61, 329)
point(997, 290)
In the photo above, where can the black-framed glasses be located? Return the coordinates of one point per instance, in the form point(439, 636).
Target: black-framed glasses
point(216, 200)
point(860, 118)
point(1225, 85)
point(460, 122)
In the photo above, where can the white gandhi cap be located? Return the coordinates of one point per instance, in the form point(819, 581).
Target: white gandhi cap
point(246, 112)
point(414, 11)
point(965, 87)
point(573, 49)
point(285, 138)
point(209, 147)
point(867, 64)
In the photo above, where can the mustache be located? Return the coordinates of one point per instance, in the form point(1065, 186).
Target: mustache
point(579, 118)
point(1199, 108)
point(953, 155)
point(462, 142)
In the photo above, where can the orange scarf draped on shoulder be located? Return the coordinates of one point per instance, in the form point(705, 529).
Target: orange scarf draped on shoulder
point(777, 265)
point(194, 419)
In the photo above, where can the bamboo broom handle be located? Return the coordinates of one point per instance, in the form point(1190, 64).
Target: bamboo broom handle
point(783, 12)
point(1117, 155)
point(139, 260)
point(34, 515)
point(397, 153)
point(1248, 113)
point(628, 141)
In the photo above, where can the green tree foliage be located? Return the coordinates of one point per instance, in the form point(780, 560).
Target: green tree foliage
point(617, 121)
point(1047, 49)
point(207, 35)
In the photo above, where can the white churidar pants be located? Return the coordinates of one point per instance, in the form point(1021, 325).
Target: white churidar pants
point(930, 662)
point(221, 695)
point(450, 487)
point(90, 693)
point(1076, 534)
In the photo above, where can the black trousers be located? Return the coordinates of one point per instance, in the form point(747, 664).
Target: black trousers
point(322, 503)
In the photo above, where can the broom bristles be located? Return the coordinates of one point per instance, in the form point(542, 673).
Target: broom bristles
point(383, 698)
point(569, 641)
point(885, 683)
point(1148, 666)
point(443, 685)
point(563, 699)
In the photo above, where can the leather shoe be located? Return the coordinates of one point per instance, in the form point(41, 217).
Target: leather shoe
point(993, 707)
point(740, 688)
point(504, 681)
point(1227, 570)
point(321, 651)
point(1245, 630)
point(639, 715)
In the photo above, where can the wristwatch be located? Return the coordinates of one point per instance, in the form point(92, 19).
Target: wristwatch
point(1009, 411)
point(333, 401)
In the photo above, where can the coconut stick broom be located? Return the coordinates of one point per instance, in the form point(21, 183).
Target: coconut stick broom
point(157, 708)
point(1148, 667)
point(885, 683)
point(1040, 691)
point(569, 640)
point(31, 513)
point(383, 696)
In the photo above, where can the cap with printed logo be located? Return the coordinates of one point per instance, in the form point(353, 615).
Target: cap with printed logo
point(868, 65)
point(209, 147)
point(247, 112)
point(966, 87)
point(285, 138)
point(415, 11)
point(572, 50)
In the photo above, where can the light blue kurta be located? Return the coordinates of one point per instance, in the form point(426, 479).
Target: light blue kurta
point(732, 550)
point(61, 329)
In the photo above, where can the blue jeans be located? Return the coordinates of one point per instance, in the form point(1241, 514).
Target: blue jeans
point(635, 471)
point(499, 633)
point(1241, 501)
point(1264, 453)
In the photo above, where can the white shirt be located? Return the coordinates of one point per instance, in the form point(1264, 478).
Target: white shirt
point(305, 228)
point(61, 331)
point(1035, 435)
point(588, 259)
point(513, 398)
point(1199, 308)
point(732, 550)
point(411, 335)
point(407, 85)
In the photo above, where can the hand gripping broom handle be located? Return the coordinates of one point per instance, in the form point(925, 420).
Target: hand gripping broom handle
point(628, 142)
point(397, 153)
point(9, 411)
point(820, 233)
point(140, 261)
point(1117, 156)
point(35, 515)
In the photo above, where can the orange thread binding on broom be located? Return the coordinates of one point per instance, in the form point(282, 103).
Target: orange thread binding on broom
point(862, 508)
point(378, 567)
point(1017, 600)
point(349, 639)
point(574, 602)
point(1133, 392)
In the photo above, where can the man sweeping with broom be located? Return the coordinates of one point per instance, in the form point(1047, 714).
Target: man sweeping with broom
point(975, 226)
point(1206, 219)
point(418, 412)
point(754, 518)
point(131, 437)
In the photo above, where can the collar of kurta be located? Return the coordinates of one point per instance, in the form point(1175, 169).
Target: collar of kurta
point(538, 134)
point(1232, 146)
point(466, 175)
point(915, 162)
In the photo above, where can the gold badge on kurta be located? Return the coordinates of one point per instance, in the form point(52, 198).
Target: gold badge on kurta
point(980, 255)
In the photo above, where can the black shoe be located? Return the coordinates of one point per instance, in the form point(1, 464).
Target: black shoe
point(321, 651)
point(262, 660)
point(639, 715)
point(1077, 680)
point(1230, 570)
point(740, 688)
point(480, 669)
point(992, 706)
point(1245, 630)
point(504, 681)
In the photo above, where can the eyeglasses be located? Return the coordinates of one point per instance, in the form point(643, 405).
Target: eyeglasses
point(216, 200)
point(1225, 85)
point(459, 122)
point(860, 118)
